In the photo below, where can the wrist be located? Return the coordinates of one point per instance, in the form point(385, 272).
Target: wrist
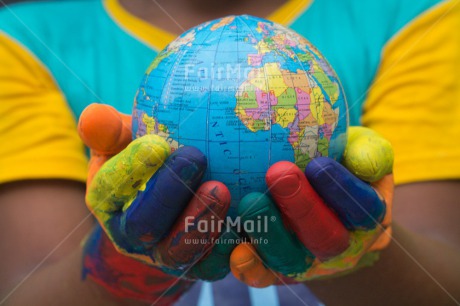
point(126, 277)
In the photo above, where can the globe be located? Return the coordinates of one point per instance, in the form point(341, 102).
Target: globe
point(248, 93)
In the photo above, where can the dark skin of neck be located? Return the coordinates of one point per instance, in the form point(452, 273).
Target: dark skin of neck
point(184, 14)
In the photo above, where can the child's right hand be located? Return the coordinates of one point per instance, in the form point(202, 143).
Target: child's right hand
point(142, 196)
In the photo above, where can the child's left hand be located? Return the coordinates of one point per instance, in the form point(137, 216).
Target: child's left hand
point(333, 226)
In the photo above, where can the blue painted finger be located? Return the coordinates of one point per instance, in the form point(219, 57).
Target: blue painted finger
point(355, 202)
point(152, 214)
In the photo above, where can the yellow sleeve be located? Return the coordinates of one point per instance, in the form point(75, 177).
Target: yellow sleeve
point(38, 133)
point(415, 99)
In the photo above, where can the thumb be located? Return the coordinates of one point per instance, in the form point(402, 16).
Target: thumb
point(105, 131)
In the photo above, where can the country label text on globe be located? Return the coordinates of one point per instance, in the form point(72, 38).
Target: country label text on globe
point(248, 93)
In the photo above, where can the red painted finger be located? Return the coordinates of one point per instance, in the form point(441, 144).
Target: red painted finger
point(197, 228)
point(316, 226)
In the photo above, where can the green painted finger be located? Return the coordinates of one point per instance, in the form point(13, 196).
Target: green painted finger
point(217, 264)
point(280, 250)
point(119, 179)
point(368, 155)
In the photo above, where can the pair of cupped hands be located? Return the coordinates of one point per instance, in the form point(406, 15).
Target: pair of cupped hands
point(328, 220)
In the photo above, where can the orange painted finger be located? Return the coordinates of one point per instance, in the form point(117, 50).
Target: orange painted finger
point(247, 267)
point(385, 187)
point(105, 131)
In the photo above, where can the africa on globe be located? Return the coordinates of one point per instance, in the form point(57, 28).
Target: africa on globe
point(248, 93)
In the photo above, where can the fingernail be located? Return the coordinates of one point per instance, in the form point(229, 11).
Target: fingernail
point(286, 186)
point(284, 179)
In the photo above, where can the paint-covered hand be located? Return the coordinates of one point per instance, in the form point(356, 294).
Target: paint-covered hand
point(325, 222)
point(145, 199)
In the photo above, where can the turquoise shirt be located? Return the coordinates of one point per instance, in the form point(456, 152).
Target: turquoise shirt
point(94, 59)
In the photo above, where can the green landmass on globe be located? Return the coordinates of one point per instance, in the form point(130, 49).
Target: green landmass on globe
point(246, 92)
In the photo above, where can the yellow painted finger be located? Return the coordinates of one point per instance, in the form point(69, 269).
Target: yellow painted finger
point(368, 155)
point(119, 179)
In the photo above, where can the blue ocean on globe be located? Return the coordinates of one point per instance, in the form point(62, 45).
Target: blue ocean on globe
point(248, 93)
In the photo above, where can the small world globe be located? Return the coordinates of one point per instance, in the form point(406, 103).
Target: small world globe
point(248, 93)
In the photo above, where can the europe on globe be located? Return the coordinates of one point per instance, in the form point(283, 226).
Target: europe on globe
point(248, 93)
